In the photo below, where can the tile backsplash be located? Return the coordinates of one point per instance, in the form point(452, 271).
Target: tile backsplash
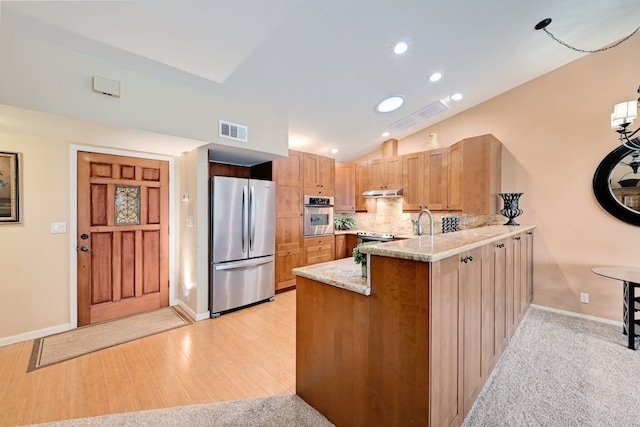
point(390, 219)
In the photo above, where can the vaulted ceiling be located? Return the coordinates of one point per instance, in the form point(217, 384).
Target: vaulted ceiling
point(324, 64)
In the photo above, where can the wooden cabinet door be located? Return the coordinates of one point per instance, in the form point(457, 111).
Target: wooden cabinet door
point(393, 172)
point(310, 170)
point(436, 171)
point(445, 363)
point(490, 297)
point(500, 286)
point(376, 174)
point(345, 187)
point(412, 181)
point(341, 246)
point(517, 280)
point(455, 177)
point(287, 260)
point(509, 285)
point(352, 242)
point(471, 272)
point(522, 270)
point(529, 266)
point(362, 184)
point(326, 172)
point(288, 171)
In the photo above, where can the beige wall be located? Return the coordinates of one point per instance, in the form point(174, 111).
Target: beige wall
point(34, 264)
point(555, 131)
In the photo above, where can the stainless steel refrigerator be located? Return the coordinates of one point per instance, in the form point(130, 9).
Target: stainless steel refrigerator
point(242, 243)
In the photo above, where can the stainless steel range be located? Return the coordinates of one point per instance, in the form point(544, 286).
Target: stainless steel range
point(365, 236)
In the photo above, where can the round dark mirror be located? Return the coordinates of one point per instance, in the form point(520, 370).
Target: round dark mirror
point(616, 184)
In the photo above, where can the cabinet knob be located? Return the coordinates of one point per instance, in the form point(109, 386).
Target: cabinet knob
point(517, 238)
point(288, 252)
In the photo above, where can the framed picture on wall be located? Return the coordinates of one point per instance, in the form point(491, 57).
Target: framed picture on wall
point(9, 187)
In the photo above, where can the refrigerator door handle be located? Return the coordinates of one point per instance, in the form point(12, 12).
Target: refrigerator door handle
point(252, 219)
point(244, 263)
point(244, 219)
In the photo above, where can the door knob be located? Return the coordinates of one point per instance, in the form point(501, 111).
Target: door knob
point(86, 249)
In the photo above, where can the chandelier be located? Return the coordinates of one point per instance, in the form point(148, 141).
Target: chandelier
point(623, 115)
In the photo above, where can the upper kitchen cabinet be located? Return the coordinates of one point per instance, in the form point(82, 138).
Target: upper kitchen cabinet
point(385, 173)
point(413, 181)
point(345, 183)
point(362, 184)
point(424, 180)
point(318, 175)
point(288, 171)
point(474, 175)
point(436, 180)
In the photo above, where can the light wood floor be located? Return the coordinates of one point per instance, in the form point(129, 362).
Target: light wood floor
point(241, 355)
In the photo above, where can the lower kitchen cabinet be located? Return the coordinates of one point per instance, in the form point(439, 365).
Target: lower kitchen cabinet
point(318, 249)
point(423, 343)
point(345, 243)
point(478, 299)
point(286, 260)
point(341, 246)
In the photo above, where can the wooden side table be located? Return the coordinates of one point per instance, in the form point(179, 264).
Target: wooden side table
point(630, 278)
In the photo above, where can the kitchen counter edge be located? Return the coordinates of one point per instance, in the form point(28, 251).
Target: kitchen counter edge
point(427, 248)
point(342, 273)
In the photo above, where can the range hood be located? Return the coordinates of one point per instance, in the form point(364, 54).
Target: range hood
point(394, 192)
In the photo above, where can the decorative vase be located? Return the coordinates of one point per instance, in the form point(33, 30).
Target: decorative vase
point(511, 209)
point(364, 270)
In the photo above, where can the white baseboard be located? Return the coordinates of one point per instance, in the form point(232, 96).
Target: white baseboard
point(192, 314)
point(574, 314)
point(34, 334)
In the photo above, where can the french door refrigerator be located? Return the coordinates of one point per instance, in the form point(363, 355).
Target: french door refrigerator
point(242, 243)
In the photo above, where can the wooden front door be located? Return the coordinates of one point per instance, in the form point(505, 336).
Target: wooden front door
point(123, 232)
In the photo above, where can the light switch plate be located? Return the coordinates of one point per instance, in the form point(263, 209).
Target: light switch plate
point(190, 221)
point(58, 227)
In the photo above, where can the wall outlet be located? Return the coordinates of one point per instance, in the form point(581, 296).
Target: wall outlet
point(584, 297)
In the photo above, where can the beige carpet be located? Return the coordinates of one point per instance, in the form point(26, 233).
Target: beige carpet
point(562, 371)
point(275, 411)
point(87, 339)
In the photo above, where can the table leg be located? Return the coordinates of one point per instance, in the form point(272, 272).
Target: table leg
point(628, 313)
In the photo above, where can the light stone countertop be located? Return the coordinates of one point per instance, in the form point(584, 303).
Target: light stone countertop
point(343, 273)
point(428, 248)
point(346, 274)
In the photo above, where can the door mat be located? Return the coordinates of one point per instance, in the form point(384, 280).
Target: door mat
point(88, 339)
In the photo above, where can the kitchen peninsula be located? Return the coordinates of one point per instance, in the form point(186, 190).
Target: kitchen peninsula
point(415, 341)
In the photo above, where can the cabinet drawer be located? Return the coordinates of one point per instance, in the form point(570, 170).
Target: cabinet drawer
point(318, 249)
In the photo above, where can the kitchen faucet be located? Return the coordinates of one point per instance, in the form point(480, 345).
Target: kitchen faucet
point(418, 223)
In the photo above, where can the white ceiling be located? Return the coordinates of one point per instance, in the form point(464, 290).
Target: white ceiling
point(325, 63)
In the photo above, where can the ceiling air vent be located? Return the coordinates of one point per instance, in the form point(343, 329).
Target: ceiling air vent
point(233, 131)
point(421, 115)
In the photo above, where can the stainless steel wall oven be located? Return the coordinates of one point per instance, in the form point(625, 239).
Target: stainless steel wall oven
point(318, 215)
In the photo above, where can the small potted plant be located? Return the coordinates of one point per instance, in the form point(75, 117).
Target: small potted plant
point(361, 258)
point(342, 222)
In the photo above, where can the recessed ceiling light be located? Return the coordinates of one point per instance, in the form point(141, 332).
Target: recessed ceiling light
point(456, 96)
point(390, 104)
point(400, 48)
point(334, 150)
point(385, 134)
point(435, 76)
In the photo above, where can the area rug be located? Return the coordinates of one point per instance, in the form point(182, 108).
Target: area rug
point(87, 339)
point(275, 411)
